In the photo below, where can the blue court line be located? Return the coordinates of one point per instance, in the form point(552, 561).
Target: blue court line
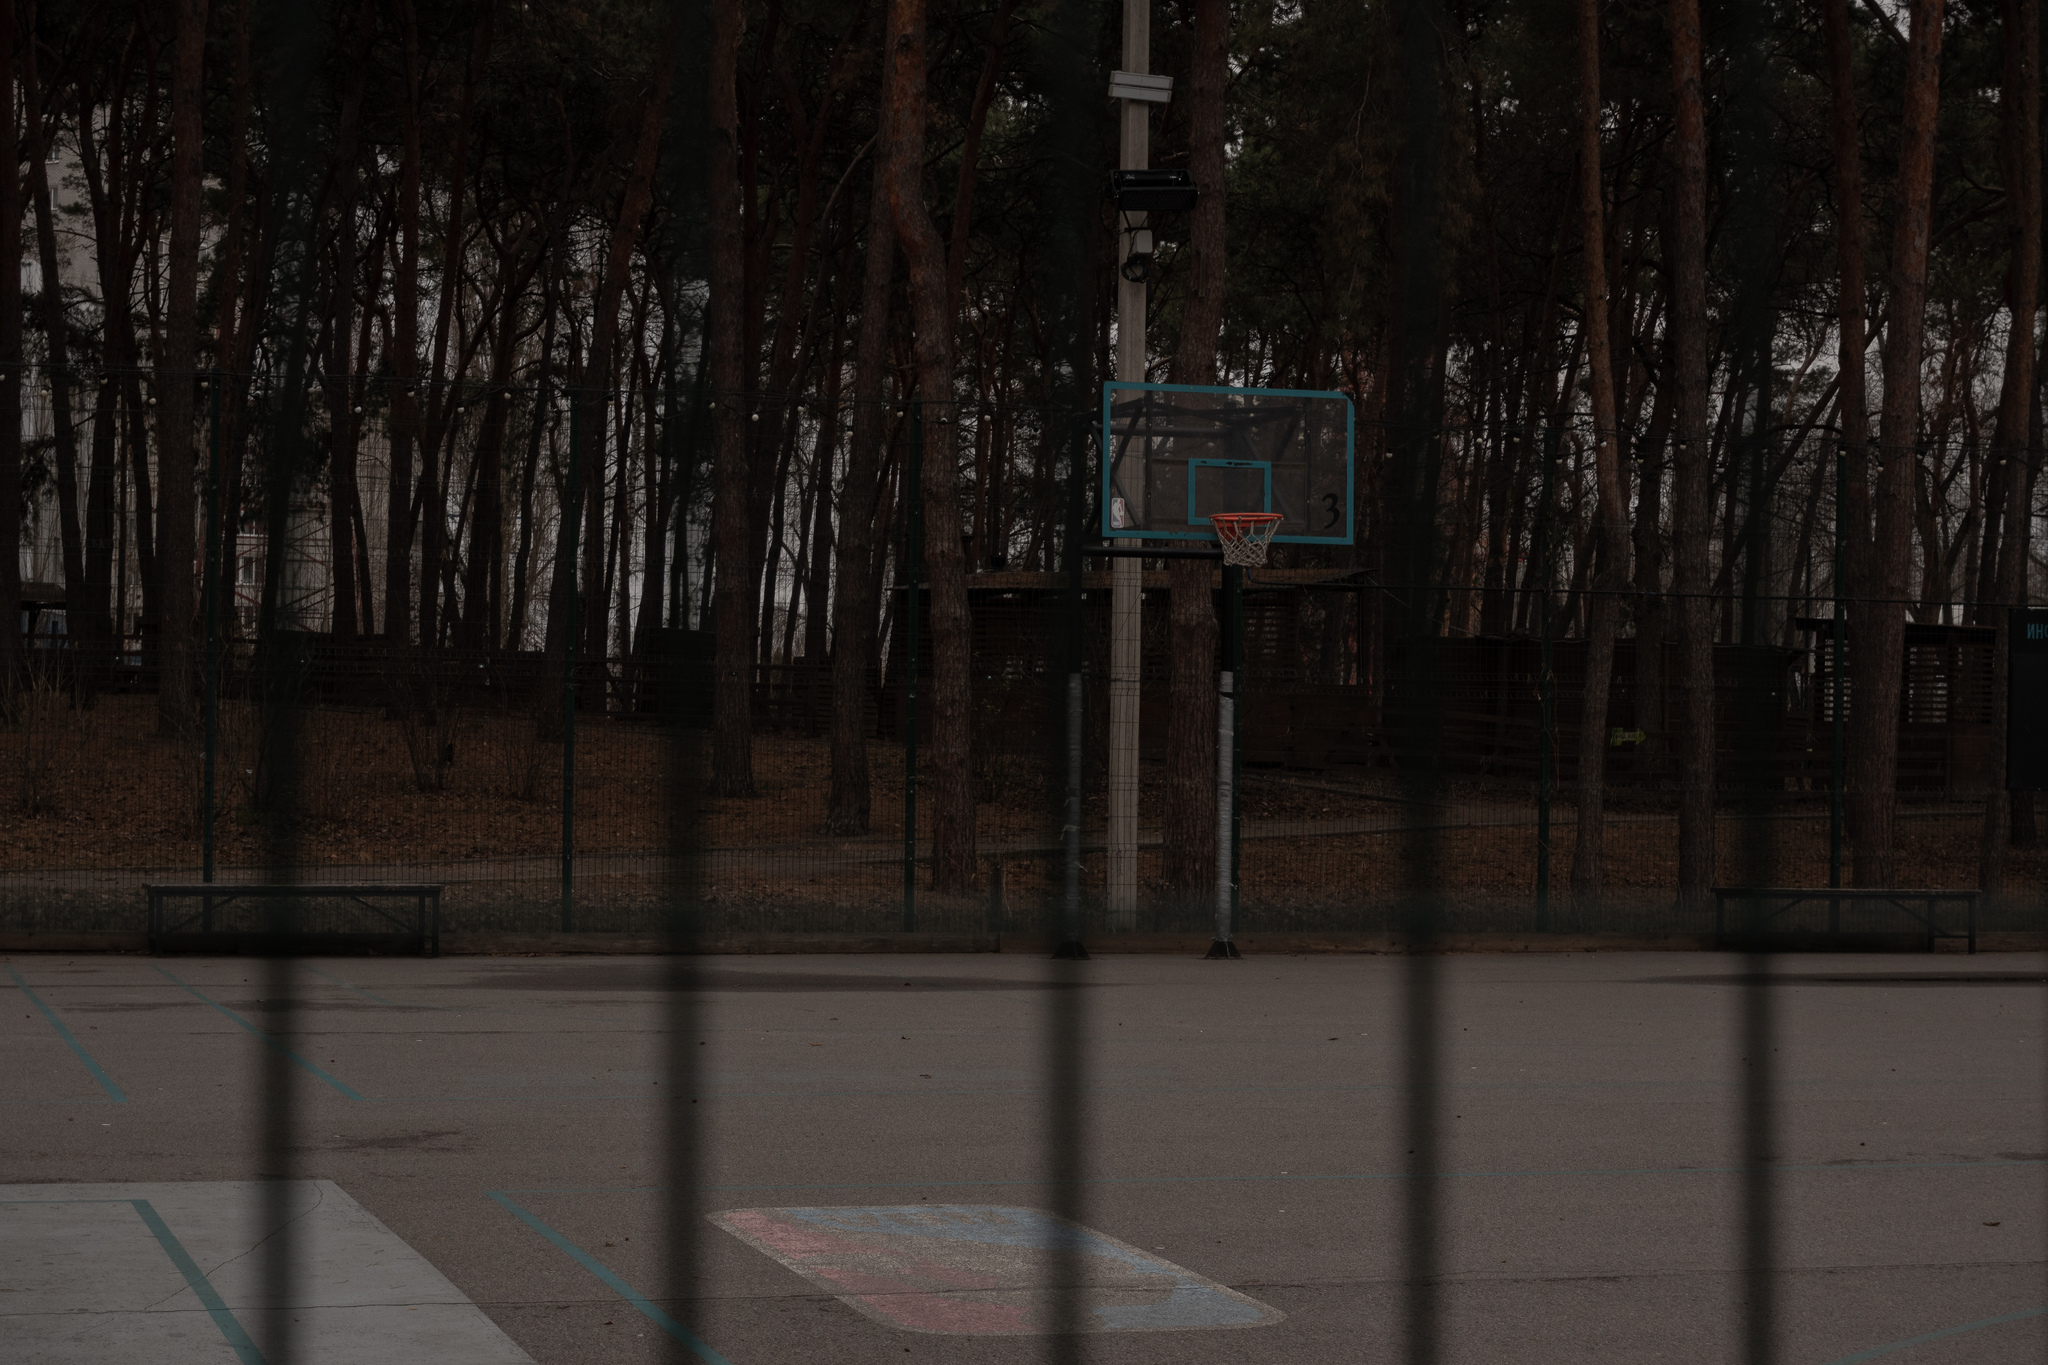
point(216, 1307)
point(70, 1041)
point(268, 1041)
point(618, 1286)
point(1874, 1352)
point(1289, 1179)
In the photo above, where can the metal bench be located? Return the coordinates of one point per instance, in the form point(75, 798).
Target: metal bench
point(200, 930)
point(1771, 902)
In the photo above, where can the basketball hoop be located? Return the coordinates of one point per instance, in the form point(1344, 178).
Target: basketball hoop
point(1245, 535)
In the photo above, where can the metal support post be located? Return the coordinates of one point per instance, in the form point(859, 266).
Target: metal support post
point(913, 606)
point(1070, 945)
point(1127, 576)
point(1238, 741)
point(1227, 728)
point(572, 527)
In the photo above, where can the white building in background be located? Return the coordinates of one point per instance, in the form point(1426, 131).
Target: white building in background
point(306, 590)
point(42, 550)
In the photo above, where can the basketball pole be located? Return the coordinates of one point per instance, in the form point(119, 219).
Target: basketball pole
point(1070, 945)
point(1228, 686)
point(1127, 575)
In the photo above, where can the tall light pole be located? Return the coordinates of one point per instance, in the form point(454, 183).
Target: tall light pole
point(1127, 573)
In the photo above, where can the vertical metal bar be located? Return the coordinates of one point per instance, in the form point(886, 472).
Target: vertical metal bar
point(1756, 719)
point(212, 609)
point(680, 1200)
point(1421, 1133)
point(1838, 642)
point(913, 598)
point(572, 526)
point(1546, 687)
point(1065, 1060)
point(1070, 815)
point(285, 657)
point(1226, 796)
point(1235, 596)
point(1759, 1192)
point(1066, 1142)
point(1070, 824)
point(1230, 686)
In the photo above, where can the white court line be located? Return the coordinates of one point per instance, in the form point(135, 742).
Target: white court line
point(83, 1278)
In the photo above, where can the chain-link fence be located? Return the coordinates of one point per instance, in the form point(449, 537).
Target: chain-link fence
point(465, 768)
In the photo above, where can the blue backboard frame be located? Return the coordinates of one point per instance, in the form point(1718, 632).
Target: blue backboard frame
point(1342, 534)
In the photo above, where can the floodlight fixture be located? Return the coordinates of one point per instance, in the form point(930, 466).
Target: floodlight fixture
point(1132, 85)
point(1169, 191)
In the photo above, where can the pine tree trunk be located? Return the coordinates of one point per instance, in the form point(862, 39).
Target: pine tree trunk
point(818, 589)
point(84, 621)
point(10, 373)
point(2021, 154)
point(856, 559)
point(1878, 661)
point(405, 407)
point(342, 425)
point(732, 749)
point(905, 111)
point(176, 548)
point(1189, 818)
point(1610, 544)
point(1692, 460)
point(634, 199)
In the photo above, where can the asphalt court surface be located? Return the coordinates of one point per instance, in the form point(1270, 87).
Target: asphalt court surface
point(873, 1181)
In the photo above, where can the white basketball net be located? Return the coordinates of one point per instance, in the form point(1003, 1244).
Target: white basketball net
point(1245, 536)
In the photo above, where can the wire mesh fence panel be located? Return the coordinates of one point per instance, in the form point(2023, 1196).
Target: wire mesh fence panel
point(451, 763)
point(1359, 786)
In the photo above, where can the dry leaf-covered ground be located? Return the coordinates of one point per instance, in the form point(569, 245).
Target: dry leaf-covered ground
point(100, 789)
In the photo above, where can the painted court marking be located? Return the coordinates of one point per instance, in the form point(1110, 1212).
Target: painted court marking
point(1874, 1352)
point(985, 1270)
point(172, 1274)
point(269, 1040)
point(106, 1082)
point(611, 1280)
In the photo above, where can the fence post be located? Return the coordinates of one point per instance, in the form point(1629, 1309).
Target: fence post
point(212, 610)
point(572, 527)
point(913, 566)
point(1546, 689)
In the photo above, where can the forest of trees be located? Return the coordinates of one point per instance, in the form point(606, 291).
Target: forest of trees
point(505, 301)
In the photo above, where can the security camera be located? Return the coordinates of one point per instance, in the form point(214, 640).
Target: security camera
point(1137, 267)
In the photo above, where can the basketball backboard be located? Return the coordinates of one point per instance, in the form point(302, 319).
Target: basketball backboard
point(1173, 454)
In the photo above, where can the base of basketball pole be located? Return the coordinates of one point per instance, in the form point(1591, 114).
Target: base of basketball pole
point(1221, 948)
point(1072, 950)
